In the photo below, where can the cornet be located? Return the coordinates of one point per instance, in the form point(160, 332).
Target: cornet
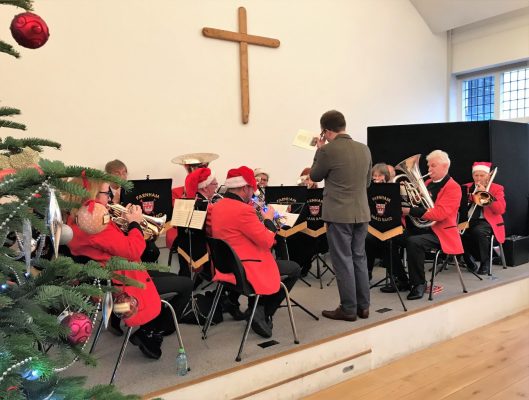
point(152, 226)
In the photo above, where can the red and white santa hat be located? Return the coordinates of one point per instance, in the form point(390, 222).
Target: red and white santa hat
point(481, 166)
point(239, 177)
point(198, 179)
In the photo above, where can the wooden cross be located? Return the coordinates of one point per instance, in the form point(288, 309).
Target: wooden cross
point(244, 39)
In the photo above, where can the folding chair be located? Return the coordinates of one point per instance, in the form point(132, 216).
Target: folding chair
point(230, 266)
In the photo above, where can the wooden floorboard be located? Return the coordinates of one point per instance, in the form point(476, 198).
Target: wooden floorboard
point(491, 362)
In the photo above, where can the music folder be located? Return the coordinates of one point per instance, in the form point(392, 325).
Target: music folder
point(186, 215)
point(386, 210)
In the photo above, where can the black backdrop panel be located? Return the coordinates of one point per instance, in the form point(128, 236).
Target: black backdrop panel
point(505, 144)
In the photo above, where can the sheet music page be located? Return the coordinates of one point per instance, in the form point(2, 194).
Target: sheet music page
point(182, 212)
point(197, 220)
point(290, 219)
point(280, 208)
point(306, 140)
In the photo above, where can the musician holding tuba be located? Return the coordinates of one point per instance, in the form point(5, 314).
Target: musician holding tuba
point(443, 195)
point(487, 205)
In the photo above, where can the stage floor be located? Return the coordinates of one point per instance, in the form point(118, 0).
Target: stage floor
point(140, 375)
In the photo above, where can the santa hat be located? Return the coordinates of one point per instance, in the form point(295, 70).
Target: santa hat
point(239, 177)
point(198, 179)
point(481, 166)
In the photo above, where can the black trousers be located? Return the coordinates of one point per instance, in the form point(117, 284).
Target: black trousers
point(167, 282)
point(376, 248)
point(416, 247)
point(476, 240)
point(289, 271)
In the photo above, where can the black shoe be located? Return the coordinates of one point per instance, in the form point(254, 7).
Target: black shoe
point(259, 323)
point(483, 270)
point(150, 343)
point(401, 286)
point(270, 322)
point(114, 326)
point(417, 292)
point(234, 310)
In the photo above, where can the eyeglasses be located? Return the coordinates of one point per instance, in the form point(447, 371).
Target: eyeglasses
point(108, 193)
point(323, 133)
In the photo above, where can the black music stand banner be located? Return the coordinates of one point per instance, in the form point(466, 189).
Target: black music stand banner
point(296, 196)
point(153, 195)
point(386, 210)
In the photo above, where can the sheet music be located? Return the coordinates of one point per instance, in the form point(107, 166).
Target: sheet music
point(306, 140)
point(185, 215)
point(289, 218)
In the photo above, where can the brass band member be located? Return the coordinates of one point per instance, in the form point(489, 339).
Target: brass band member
point(485, 220)
point(444, 234)
point(304, 179)
point(261, 177)
point(119, 169)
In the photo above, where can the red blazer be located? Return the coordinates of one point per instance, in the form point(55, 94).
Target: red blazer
point(444, 212)
point(493, 212)
point(236, 223)
point(112, 242)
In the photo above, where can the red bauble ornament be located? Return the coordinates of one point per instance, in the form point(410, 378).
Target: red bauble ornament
point(125, 306)
point(29, 30)
point(80, 328)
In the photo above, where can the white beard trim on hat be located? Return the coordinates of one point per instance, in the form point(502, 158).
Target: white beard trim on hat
point(235, 182)
point(208, 180)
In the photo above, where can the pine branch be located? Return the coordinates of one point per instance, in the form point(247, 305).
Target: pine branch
point(9, 111)
point(8, 49)
point(25, 4)
point(16, 145)
point(13, 125)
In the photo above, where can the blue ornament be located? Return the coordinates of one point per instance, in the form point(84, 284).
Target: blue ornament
point(31, 374)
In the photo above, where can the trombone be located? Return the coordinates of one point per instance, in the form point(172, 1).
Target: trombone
point(480, 198)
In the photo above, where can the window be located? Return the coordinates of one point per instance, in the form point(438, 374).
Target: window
point(478, 99)
point(502, 94)
point(515, 93)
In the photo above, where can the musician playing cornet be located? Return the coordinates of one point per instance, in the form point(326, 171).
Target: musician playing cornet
point(444, 234)
point(486, 218)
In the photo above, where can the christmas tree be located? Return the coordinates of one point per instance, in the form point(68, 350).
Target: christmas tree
point(48, 303)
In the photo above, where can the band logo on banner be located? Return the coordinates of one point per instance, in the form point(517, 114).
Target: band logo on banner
point(386, 212)
point(153, 195)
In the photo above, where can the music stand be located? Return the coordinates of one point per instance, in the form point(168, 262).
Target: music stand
point(153, 195)
point(386, 213)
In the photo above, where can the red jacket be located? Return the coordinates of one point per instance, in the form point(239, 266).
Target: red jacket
point(112, 242)
point(236, 223)
point(493, 212)
point(444, 212)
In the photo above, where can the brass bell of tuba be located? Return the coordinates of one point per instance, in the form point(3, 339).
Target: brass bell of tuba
point(152, 226)
point(415, 190)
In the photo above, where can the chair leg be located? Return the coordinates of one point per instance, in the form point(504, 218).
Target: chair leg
point(490, 255)
point(205, 328)
point(247, 329)
point(460, 276)
point(434, 272)
point(98, 333)
point(290, 314)
point(502, 256)
point(121, 354)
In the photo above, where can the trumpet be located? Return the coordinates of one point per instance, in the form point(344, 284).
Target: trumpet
point(152, 226)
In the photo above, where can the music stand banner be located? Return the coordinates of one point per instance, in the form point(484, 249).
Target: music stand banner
point(153, 195)
point(386, 210)
point(315, 224)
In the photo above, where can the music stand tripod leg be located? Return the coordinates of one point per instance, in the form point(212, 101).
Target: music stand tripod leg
point(391, 277)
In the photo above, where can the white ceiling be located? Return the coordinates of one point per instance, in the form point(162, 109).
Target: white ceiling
point(443, 15)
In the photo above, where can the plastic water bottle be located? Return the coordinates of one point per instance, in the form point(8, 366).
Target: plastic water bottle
point(181, 362)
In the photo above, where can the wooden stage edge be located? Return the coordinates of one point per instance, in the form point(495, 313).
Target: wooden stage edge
point(310, 367)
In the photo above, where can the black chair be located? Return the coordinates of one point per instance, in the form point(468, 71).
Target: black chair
point(226, 261)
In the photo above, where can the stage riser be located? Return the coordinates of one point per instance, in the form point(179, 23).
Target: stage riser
point(377, 345)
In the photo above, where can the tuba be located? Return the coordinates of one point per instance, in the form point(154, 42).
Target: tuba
point(414, 188)
point(152, 226)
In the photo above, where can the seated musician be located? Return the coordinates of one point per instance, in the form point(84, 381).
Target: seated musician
point(376, 248)
point(446, 195)
point(235, 221)
point(304, 179)
point(97, 238)
point(486, 219)
point(190, 162)
point(261, 177)
point(119, 169)
point(201, 185)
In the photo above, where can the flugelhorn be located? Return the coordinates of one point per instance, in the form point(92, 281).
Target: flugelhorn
point(415, 188)
point(152, 226)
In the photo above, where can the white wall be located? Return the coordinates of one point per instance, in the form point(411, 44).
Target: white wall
point(491, 43)
point(136, 80)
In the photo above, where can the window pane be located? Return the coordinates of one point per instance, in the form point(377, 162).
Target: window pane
point(478, 99)
point(515, 93)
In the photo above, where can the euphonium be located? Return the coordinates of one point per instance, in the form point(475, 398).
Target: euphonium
point(415, 188)
point(152, 226)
